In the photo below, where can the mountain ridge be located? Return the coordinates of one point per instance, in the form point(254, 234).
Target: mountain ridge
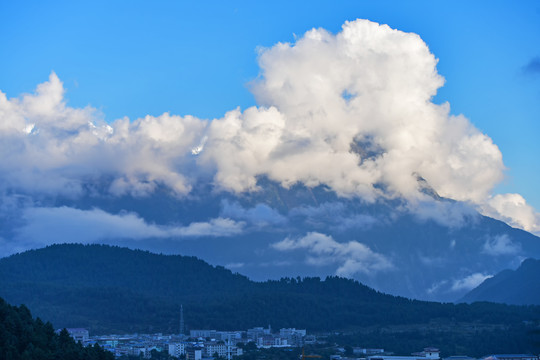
point(514, 287)
point(434, 248)
point(113, 289)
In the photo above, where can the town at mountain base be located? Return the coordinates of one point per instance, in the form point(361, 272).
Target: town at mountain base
point(110, 289)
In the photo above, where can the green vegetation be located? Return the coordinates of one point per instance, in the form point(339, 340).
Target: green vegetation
point(23, 338)
point(113, 290)
point(451, 339)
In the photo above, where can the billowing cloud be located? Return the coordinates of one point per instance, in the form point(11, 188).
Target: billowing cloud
point(351, 110)
point(45, 226)
point(351, 257)
point(514, 210)
point(469, 282)
point(385, 131)
point(50, 148)
point(501, 245)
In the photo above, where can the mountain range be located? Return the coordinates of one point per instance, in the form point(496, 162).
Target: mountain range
point(347, 165)
point(517, 287)
point(110, 289)
point(113, 288)
point(438, 249)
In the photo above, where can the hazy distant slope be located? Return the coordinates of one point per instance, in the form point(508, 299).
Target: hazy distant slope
point(432, 253)
point(438, 250)
point(519, 287)
point(111, 289)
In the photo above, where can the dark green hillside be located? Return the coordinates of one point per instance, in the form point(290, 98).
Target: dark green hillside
point(22, 337)
point(76, 265)
point(111, 289)
point(105, 288)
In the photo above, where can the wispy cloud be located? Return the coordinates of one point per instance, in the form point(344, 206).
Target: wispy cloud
point(351, 257)
point(333, 215)
point(446, 213)
point(469, 282)
point(44, 226)
point(234, 266)
point(501, 245)
point(260, 215)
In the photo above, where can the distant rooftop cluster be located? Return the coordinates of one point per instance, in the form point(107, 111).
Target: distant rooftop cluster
point(210, 344)
point(198, 345)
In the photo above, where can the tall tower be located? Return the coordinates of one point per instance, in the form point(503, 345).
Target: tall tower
point(181, 320)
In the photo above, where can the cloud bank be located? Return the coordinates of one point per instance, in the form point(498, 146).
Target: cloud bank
point(352, 111)
point(351, 257)
point(45, 226)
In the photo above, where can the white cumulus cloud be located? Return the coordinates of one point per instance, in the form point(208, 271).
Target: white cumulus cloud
point(48, 147)
point(351, 110)
point(514, 210)
point(351, 257)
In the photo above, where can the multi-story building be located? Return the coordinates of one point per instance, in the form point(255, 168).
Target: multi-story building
point(286, 332)
point(229, 336)
point(266, 340)
point(212, 348)
point(293, 336)
point(194, 353)
point(256, 332)
point(177, 349)
point(225, 350)
point(211, 334)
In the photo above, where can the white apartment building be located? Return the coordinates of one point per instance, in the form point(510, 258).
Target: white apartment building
point(177, 349)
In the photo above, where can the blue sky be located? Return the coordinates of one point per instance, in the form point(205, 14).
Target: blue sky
point(135, 58)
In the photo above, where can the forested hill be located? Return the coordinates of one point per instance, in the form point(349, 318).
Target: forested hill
point(103, 266)
point(111, 289)
point(22, 337)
